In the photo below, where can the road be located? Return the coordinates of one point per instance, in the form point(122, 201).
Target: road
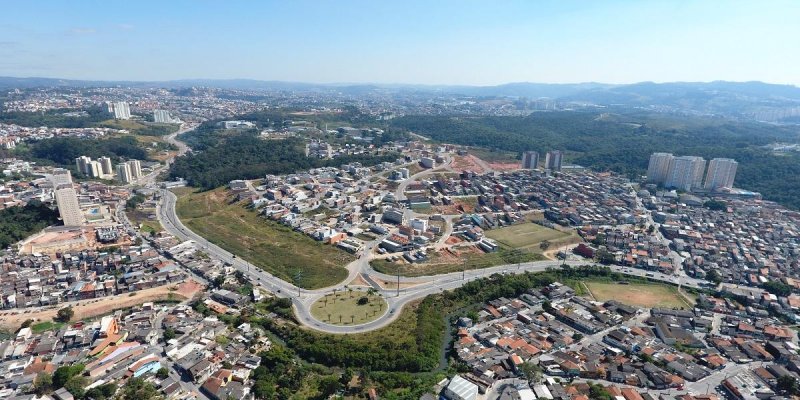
point(410, 288)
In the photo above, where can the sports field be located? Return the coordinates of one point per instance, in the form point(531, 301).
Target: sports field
point(343, 308)
point(287, 254)
point(639, 295)
point(527, 235)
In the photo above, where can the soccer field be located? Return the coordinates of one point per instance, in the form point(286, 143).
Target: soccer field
point(526, 235)
point(639, 295)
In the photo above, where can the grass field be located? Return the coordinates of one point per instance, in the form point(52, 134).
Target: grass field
point(343, 308)
point(491, 155)
point(286, 254)
point(527, 236)
point(46, 326)
point(640, 295)
point(435, 266)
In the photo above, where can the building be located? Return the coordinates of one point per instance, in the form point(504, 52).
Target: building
point(721, 173)
point(67, 200)
point(530, 160)
point(136, 169)
point(105, 165)
point(122, 110)
point(686, 173)
point(82, 164)
point(162, 116)
point(553, 160)
point(658, 168)
point(460, 389)
point(124, 173)
point(61, 176)
point(427, 162)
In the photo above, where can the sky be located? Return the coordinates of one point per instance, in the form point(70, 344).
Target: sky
point(438, 42)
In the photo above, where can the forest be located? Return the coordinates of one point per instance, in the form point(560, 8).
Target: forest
point(63, 151)
point(56, 118)
point(17, 223)
point(244, 156)
point(622, 142)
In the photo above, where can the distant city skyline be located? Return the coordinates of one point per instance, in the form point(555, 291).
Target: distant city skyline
point(409, 42)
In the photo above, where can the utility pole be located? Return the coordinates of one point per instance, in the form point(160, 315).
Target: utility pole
point(398, 284)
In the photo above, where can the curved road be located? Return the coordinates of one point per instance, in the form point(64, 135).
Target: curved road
point(415, 288)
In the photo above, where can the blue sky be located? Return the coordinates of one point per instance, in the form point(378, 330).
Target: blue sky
point(408, 41)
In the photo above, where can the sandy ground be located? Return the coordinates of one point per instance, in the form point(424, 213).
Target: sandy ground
point(468, 162)
point(393, 285)
point(94, 307)
point(359, 281)
point(504, 166)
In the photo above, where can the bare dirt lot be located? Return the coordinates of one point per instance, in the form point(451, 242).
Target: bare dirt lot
point(94, 307)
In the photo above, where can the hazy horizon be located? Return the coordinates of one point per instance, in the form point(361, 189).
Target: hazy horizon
point(403, 43)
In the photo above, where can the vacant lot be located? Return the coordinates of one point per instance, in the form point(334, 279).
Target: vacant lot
point(286, 254)
point(640, 295)
point(343, 308)
point(455, 260)
point(527, 236)
point(102, 306)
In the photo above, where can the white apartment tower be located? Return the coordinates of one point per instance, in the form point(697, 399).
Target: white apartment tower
point(530, 160)
point(136, 169)
point(122, 110)
point(161, 116)
point(721, 173)
point(105, 165)
point(66, 199)
point(552, 160)
point(658, 169)
point(124, 173)
point(686, 173)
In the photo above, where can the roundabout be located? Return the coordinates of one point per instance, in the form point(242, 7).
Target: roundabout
point(349, 307)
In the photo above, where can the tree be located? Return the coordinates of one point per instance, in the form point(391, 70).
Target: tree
point(714, 276)
point(531, 372)
point(577, 336)
point(787, 384)
point(63, 374)
point(363, 300)
point(76, 386)
point(544, 245)
point(162, 373)
point(65, 314)
point(169, 334)
point(139, 389)
point(329, 385)
point(43, 384)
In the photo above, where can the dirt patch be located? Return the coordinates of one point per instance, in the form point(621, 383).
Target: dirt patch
point(504, 166)
point(359, 281)
point(94, 307)
point(467, 163)
point(386, 284)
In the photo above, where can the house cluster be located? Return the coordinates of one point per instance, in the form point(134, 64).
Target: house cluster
point(750, 242)
point(217, 358)
point(11, 135)
point(648, 351)
point(630, 245)
point(29, 280)
point(104, 347)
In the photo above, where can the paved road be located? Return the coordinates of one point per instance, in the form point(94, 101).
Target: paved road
point(411, 288)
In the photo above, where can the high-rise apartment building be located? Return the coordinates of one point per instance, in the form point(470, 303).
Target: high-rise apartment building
point(658, 168)
point(552, 160)
point(82, 164)
point(721, 173)
point(686, 173)
point(122, 110)
point(66, 199)
point(124, 173)
point(530, 160)
point(105, 165)
point(136, 169)
point(161, 116)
